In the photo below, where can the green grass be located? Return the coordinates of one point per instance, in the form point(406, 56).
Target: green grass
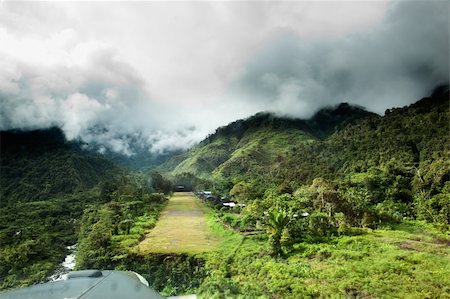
point(407, 260)
point(230, 240)
point(182, 228)
point(140, 227)
point(397, 263)
point(410, 260)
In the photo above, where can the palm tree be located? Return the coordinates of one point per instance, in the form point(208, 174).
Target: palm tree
point(276, 223)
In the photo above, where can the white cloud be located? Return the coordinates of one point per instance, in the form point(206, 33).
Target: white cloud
point(80, 112)
point(9, 77)
point(170, 73)
point(393, 64)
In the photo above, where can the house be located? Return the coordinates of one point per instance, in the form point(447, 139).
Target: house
point(179, 188)
point(204, 194)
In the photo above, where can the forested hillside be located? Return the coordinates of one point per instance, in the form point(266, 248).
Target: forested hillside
point(41, 164)
point(258, 143)
point(347, 202)
point(396, 165)
point(55, 194)
point(45, 184)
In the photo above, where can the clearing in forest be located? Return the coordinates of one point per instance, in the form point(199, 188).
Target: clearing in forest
point(181, 228)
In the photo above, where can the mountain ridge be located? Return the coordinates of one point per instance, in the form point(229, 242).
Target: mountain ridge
point(315, 125)
point(42, 163)
point(269, 130)
point(265, 145)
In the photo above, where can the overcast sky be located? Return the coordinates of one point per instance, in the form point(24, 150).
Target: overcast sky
point(169, 73)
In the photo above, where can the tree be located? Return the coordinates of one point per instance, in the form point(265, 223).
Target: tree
point(107, 189)
point(95, 250)
point(276, 223)
point(326, 198)
point(242, 191)
point(126, 226)
point(160, 184)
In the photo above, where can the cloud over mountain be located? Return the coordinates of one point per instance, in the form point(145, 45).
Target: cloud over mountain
point(166, 74)
point(399, 60)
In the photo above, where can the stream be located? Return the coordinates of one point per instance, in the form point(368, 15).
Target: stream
point(66, 266)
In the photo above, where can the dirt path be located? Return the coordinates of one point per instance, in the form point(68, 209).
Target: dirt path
point(181, 228)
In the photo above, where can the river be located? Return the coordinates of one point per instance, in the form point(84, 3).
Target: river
point(66, 266)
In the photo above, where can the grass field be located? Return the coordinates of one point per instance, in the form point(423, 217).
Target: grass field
point(181, 228)
point(408, 260)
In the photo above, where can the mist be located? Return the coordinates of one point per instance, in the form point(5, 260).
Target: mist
point(162, 76)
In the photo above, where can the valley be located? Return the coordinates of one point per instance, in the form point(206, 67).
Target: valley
point(225, 149)
point(347, 204)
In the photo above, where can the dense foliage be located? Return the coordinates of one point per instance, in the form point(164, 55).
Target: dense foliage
point(108, 230)
point(403, 261)
point(55, 194)
point(365, 168)
point(41, 164)
point(260, 139)
point(346, 204)
point(331, 213)
point(45, 184)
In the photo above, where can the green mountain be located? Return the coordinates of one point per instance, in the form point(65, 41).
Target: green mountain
point(40, 164)
point(141, 160)
point(257, 144)
point(375, 167)
point(45, 184)
point(415, 137)
point(342, 171)
point(334, 141)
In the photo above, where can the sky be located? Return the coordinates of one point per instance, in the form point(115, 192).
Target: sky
point(164, 75)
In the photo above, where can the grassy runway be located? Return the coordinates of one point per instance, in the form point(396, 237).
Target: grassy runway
point(181, 228)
